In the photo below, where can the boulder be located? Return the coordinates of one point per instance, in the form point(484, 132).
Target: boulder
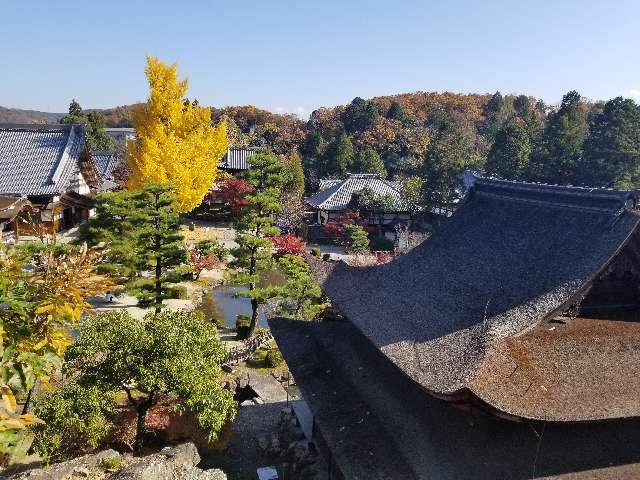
point(176, 463)
point(76, 468)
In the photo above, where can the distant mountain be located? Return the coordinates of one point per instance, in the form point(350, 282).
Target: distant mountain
point(113, 117)
point(16, 115)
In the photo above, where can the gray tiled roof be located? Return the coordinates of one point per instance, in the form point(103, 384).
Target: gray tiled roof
point(335, 195)
point(236, 158)
point(105, 161)
point(39, 159)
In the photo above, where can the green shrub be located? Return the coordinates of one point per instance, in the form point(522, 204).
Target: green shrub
point(243, 329)
point(77, 419)
point(180, 274)
point(175, 291)
point(382, 244)
point(113, 463)
point(273, 359)
point(315, 252)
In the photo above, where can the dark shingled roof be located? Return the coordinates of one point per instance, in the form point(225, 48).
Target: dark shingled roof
point(378, 425)
point(39, 159)
point(236, 158)
point(512, 256)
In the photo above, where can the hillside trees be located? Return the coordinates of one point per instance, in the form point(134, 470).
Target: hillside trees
point(612, 151)
point(509, 155)
point(177, 142)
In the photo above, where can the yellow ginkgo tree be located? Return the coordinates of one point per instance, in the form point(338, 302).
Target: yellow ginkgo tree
point(176, 141)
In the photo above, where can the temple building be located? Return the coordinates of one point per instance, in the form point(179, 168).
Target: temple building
point(334, 196)
point(235, 160)
point(51, 166)
point(506, 346)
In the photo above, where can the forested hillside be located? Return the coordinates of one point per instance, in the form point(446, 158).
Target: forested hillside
point(16, 115)
point(427, 139)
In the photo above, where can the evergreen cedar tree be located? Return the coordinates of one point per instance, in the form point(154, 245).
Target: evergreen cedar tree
point(256, 224)
point(141, 232)
point(171, 353)
point(177, 142)
point(96, 137)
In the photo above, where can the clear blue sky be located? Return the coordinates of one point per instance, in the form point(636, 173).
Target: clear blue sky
point(287, 55)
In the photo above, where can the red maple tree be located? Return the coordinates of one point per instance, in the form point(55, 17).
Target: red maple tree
point(288, 244)
point(230, 191)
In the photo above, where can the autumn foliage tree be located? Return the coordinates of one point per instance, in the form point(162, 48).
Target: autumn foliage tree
point(176, 141)
point(38, 306)
point(288, 245)
point(231, 191)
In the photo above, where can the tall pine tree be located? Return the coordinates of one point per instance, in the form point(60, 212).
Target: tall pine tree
point(612, 152)
point(509, 155)
point(558, 158)
point(159, 242)
point(255, 225)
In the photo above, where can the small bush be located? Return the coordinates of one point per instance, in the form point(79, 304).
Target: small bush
point(77, 419)
point(315, 252)
point(381, 244)
point(113, 463)
point(180, 273)
point(176, 291)
point(326, 257)
point(243, 323)
point(273, 359)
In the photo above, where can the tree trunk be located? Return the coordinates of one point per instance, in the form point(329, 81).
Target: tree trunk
point(25, 408)
point(158, 246)
point(254, 318)
point(158, 280)
point(252, 286)
point(142, 416)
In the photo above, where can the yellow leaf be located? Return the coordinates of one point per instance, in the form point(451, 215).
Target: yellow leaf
point(8, 399)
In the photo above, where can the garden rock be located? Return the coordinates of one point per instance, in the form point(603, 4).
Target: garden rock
point(76, 468)
point(175, 463)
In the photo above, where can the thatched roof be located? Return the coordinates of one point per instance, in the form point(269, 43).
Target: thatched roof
point(379, 425)
point(513, 256)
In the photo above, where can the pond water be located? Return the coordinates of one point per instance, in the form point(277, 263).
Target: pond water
point(224, 306)
point(229, 306)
